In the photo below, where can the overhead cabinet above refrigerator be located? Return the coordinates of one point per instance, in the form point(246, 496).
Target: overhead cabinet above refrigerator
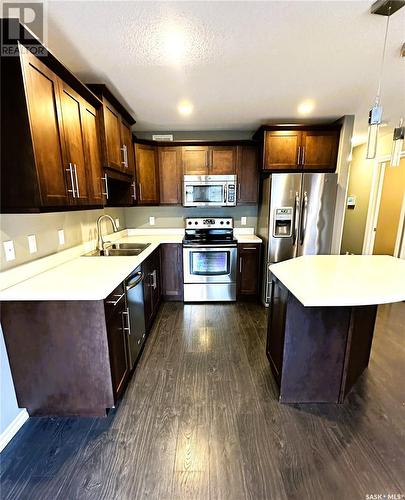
point(296, 216)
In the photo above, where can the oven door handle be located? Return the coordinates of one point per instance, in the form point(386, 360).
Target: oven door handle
point(201, 247)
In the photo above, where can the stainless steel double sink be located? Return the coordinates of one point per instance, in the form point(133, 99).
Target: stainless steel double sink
point(119, 250)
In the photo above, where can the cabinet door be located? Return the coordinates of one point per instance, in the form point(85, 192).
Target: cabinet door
point(195, 160)
point(147, 174)
point(172, 271)
point(42, 91)
point(128, 153)
point(276, 329)
point(222, 160)
point(319, 150)
point(156, 282)
point(170, 175)
point(93, 155)
point(112, 125)
point(72, 109)
point(249, 267)
point(117, 343)
point(248, 175)
point(281, 150)
point(147, 269)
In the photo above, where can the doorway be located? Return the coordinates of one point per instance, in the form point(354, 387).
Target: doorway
point(386, 215)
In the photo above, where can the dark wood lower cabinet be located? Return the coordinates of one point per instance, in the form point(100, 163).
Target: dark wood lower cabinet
point(316, 354)
point(172, 271)
point(151, 287)
point(248, 270)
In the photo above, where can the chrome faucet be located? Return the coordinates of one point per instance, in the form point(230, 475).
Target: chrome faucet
point(100, 241)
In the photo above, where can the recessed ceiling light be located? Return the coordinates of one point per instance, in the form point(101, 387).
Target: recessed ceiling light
point(185, 108)
point(175, 45)
point(306, 107)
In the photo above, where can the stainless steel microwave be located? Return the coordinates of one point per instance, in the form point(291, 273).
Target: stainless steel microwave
point(209, 191)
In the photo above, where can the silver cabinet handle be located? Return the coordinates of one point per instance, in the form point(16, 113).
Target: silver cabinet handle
point(154, 279)
point(70, 170)
point(140, 190)
point(105, 193)
point(238, 197)
point(133, 195)
point(304, 217)
point(303, 156)
point(240, 264)
point(298, 155)
point(124, 150)
point(77, 182)
point(115, 302)
point(248, 248)
point(125, 314)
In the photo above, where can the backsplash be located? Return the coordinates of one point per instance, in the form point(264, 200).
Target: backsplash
point(79, 227)
point(138, 217)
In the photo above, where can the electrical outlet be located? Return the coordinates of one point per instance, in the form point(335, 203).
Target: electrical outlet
point(9, 250)
point(32, 243)
point(61, 236)
point(152, 221)
point(243, 221)
point(117, 222)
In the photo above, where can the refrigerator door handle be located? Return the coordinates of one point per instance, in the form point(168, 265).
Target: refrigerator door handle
point(304, 217)
point(295, 217)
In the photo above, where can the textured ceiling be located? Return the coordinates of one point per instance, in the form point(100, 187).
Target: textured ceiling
point(240, 63)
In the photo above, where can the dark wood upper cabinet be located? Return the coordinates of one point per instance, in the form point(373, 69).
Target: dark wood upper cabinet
point(73, 117)
point(172, 271)
point(281, 150)
point(170, 175)
point(93, 155)
point(319, 149)
point(222, 160)
point(249, 269)
point(115, 129)
point(195, 160)
point(43, 99)
point(147, 174)
point(301, 148)
point(247, 171)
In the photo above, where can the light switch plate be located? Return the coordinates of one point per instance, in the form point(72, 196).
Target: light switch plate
point(32, 243)
point(243, 221)
point(117, 222)
point(9, 250)
point(61, 236)
point(152, 221)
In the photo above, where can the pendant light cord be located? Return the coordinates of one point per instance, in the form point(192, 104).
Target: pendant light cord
point(377, 99)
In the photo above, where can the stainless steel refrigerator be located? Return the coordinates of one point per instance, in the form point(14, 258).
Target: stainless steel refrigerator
point(296, 214)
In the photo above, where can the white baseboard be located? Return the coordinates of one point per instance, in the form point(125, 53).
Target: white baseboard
point(7, 435)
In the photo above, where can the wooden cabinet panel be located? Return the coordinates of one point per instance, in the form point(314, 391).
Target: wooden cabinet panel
point(281, 150)
point(249, 269)
point(147, 174)
point(248, 175)
point(42, 91)
point(170, 175)
point(117, 342)
point(93, 155)
point(129, 163)
point(195, 160)
point(319, 149)
point(72, 108)
point(172, 271)
point(222, 160)
point(151, 287)
point(112, 124)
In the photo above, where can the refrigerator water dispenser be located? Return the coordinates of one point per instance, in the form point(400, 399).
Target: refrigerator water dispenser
point(283, 222)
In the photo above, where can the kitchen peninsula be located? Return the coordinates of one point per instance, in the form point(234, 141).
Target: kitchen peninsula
point(321, 322)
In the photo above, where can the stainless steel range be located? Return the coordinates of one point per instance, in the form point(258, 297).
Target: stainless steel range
point(209, 260)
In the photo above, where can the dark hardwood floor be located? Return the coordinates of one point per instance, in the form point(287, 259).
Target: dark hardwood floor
point(200, 420)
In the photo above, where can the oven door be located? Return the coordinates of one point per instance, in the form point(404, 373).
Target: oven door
point(204, 193)
point(210, 264)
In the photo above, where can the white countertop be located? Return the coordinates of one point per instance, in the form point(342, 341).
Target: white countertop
point(343, 280)
point(94, 278)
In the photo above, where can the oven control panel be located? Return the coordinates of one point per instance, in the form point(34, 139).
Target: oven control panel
point(208, 222)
